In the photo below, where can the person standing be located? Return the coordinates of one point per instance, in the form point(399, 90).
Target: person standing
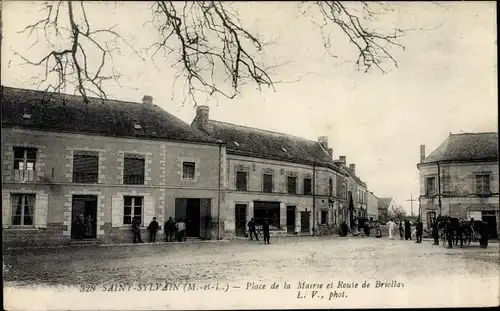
point(391, 224)
point(435, 232)
point(419, 230)
point(449, 232)
point(378, 232)
point(407, 230)
point(459, 232)
point(265, 231)
point(251, 230)
point(153, 228)
point(401, 229)
point(169, 230)
point(89, 227)
point(137, 230)
point(483, 231)
point(181, 230)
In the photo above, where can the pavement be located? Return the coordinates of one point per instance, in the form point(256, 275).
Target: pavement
point(237, 261)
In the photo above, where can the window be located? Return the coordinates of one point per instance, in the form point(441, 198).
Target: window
point(330, 187)
point(267, 183)
point(241, 181)
point(269, 211)
point(483, 184)
point(430, 185)
point(307, 186)
point(133, 170)
point(324, 217)
point(292, 185)
point(85, 168)
point(23, 208)
point(24, 164)
point(132, 208)
point(188, 170)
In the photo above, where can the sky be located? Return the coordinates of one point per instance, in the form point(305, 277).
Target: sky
point(445, 81)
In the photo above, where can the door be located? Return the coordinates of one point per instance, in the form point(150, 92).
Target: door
point(304, 221)
point(491, 219)
point(193, 218)
point(240, 216)
point(290, 219)
point(84, 217)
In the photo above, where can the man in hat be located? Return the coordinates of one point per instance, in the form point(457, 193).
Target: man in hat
point(153, 227)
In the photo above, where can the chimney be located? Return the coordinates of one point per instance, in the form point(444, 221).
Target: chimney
point(343, 159)
point(202, 116)
point(352, 167)
point(422, 153)
point(147, 100)
point(323, 141)
point(330, 152)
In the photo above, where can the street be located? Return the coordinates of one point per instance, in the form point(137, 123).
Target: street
point(313, 260)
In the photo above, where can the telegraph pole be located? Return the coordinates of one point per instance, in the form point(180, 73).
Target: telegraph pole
point(411, 200)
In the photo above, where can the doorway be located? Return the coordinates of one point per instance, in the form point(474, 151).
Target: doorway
point(304, 221)
point(84, 217)
point(491, 218)
point(240, 216)
point(290, 219)
point(190, 211)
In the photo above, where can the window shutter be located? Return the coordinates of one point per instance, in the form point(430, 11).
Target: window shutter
point(6, 208)
point(41, 210)
point(149, 209)
point(116, 211)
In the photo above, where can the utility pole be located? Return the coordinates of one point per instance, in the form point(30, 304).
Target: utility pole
point(411, 200)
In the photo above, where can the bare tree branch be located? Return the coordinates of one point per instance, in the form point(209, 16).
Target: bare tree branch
point(215, 54)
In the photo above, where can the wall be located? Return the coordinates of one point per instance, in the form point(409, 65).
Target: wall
point(372, 206)
point(163, 180)
point(281, 170)
point(458, 197)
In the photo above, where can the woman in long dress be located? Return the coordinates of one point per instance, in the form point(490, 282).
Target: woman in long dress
point(407, 230)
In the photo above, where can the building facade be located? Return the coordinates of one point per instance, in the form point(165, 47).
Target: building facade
point(293, 182)
point(386, 207)
point(460, 179)
point(106, 161)
point(372, 205)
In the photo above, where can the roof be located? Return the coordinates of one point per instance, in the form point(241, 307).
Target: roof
point(69, 113)
point(466, 147)
point(383, 203)
point(248, 141)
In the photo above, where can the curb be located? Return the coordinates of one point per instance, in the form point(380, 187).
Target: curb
point(112, 245)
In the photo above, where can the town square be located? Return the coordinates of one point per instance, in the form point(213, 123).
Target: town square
point(228, 155)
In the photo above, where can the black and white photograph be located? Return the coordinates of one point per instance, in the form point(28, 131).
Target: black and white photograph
point(218, 155)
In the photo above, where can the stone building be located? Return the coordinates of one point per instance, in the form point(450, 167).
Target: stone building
point(110, 161)
point(107, 160)
point(460, 179)
point(386, 207)
point(292, 181)
point(372, 205)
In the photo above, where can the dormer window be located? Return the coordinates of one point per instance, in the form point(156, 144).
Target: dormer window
point(284, 150)
point(236, 143)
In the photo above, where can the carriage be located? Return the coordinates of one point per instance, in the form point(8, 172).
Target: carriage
point(465, 229)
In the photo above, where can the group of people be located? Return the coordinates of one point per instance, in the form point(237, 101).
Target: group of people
point(458, 229)
point(83, 227)
point(252, 230)
point(405, 229)
point(174, 230)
